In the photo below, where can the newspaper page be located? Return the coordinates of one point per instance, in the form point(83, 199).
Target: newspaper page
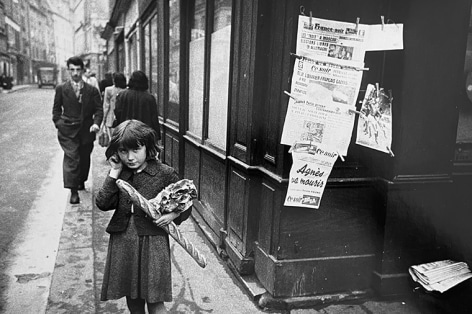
point(441, 275)
point(324, 95)
point(340, 41)
point(308, 175)
point(374, 128)
point(384, 37)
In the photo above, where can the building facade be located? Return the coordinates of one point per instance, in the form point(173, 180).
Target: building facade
point(89, 18)
point(42, 44)
point(63, 35)
point(29, 35)
point(4, 56)
point(219, 69)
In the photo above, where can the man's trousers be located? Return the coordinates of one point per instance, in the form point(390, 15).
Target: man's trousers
point(76, 163)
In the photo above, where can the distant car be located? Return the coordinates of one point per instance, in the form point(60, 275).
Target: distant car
point(6, 82)
point(47, 76)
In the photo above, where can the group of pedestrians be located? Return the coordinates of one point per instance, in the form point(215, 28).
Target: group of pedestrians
point(138, 264)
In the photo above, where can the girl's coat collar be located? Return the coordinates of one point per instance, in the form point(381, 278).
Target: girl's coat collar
point(151, 169)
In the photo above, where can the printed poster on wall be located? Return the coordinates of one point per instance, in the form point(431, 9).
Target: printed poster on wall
point(337, 41)
point(344, 40)
point(325, 94)
point(374, 128)
point(308, 176)
point(385, 37)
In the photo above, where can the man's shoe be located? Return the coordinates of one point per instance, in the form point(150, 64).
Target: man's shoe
point(74, 197)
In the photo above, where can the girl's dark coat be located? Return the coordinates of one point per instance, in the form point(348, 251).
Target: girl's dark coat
point(149, 182)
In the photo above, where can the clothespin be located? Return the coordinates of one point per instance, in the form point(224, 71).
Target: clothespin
point(354, 111)
point(389, 20)
point(377, 89)
point(383, 21)
point(296, 56)
point(390, 94)
point(290, 95)
point(311, 18)
point(302, 10)
point(362, 69)
point(390, 152)
point(340, 156)
point(357, 23)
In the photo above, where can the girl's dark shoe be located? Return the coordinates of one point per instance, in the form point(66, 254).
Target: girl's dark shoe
point(74, 197)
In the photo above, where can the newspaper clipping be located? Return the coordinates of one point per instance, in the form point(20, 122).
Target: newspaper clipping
point(324, 96)
point(332, 39)
point(308, 176)
point(374, 128)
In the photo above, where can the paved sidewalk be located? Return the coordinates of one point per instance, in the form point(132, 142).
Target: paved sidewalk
point(78, 272)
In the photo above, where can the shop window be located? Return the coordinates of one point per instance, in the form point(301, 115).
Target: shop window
point(209, 71)
point(174, 61)
point(196, 68)
point(150, 56)
point(153, 58)
point(219, 74)
point(463, 151)
point(147, 51)
point(121, 55)
point(133, 53)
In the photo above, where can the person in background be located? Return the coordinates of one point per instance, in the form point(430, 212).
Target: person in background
point(77, 114)
point(89, 78)
point(109, 98)
point(107, 81)
point(138, 262)
point(137, 103)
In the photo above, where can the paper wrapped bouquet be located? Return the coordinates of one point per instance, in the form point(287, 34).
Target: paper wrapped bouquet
point(176, 197)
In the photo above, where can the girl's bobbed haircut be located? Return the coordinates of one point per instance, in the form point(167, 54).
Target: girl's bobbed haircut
point(131, 134)
point(138, 81)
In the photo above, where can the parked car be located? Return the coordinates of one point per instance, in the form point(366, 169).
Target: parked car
point(6, 82)
point(47, 76)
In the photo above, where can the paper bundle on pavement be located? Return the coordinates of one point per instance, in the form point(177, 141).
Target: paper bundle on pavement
point(441, 275)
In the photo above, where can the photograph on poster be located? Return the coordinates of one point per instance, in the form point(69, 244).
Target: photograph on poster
point(374, 128)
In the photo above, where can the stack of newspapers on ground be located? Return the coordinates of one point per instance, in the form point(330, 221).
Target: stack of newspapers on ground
point(440, 276)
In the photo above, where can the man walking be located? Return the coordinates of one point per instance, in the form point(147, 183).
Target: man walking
point(77, 113)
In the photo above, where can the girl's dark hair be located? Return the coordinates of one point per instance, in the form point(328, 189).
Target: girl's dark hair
point(119, 80)
point(131, 134)
point(138, 81)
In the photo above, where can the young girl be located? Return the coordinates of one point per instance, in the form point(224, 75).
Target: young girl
point(138, 264)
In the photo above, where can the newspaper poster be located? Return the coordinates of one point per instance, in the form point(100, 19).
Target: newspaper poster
point(344, 40)
point(308, 176)
point(340, 41)
point(385, 37)
point(374, 128)
point(324, 94)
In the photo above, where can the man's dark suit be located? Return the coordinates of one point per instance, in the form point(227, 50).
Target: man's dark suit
point(73, 120)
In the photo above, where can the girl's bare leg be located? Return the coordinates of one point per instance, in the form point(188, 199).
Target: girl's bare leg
point(156, 308)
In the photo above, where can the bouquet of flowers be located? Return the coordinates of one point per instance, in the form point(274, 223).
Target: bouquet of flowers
point(177, 197)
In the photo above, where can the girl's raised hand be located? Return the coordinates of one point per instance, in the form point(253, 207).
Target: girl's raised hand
point(116, 166)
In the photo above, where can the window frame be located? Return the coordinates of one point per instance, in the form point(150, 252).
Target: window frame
point(202, 139)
